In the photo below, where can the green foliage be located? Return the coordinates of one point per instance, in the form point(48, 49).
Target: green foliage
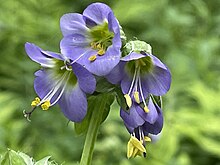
point(183, 34)
point(94, 103)
point(18, 158)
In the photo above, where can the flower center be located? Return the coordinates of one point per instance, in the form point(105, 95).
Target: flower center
point(136, 90)
point(62, 76)
point(101, 40)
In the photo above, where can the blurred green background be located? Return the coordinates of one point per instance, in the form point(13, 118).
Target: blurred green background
point(184, 34)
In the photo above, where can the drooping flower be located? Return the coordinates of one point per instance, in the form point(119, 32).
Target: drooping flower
point(92, 38)
point(140, 74)
point(141, 125)
point(141, 77)
point(60, 81)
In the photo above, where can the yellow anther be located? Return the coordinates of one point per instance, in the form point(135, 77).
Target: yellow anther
point(101, 52)
point(135, 147)
point(92, 58)
point(147, 139)
point(130, 149)
point(93, 45)
point(137, 144)
point(99, 46)
point(35, 102)
point(128, 100)
point(146, 109)
point(45, 106)
point(136, 97)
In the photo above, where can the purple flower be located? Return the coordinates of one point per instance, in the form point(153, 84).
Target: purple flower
point(151, 122)
point(140, 74)
point(92, 38)
point(60, 81)
point(141, 126)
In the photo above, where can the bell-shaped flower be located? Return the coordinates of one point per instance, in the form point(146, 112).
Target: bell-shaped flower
point(92, 38)
point(60, 81)
point(140, 74)
point(141, 126)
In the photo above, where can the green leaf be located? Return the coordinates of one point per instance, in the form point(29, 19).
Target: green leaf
point(28, 160)
point(44, 161)
point(93, 101)
point(12, 158)
point(103, 85)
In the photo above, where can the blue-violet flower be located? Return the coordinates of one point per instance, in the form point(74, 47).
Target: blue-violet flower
point(60, 81)
point(92, 38)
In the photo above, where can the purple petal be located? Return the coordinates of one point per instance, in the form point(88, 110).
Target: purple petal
point(73, 104)
point(158, 81)
point(117, 73)
point(152, 115)
point(74, 46)
point(44, 83)
point(34, 52)
point(73, 23)
point(157, 126)
point(103, 64)
point(97, 12)
point(132, 56)
point(132, 118)
point(113, 26)
point(126, 83)
point(86, 80)
point(157, 62)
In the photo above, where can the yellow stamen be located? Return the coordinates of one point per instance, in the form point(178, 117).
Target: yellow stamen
point(92, 58)
point(101, 52)
point(147, 139)
point(130, 149)
point(93, 45)
point(146, 109)
point(135, 147)
point(128, 100)
point(136, 97)
point(137, 144)
point(45, 106)
point(35, 102)
point(99, 46)
point(135, 152)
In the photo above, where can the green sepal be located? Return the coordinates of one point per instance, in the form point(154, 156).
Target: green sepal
point(93, 103)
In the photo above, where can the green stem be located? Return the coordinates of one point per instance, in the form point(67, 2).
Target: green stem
point(91, 135)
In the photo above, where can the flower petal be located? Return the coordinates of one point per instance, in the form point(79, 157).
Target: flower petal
point(132, 118)
point(86, 80)
point(45, 83)
point(152, 115)
point(97, 12)
point(103, 64)
point(73, 23)
point(133, 56)
point(116, 75)
point(126, 83)
point(158, 81)
point(35, 53)
point(73, 104)
point(113, 26)
point(157, 62)
point(157, 126)
point(74, 46)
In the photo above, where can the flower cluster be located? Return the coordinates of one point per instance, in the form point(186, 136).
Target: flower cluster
point(93, 46)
